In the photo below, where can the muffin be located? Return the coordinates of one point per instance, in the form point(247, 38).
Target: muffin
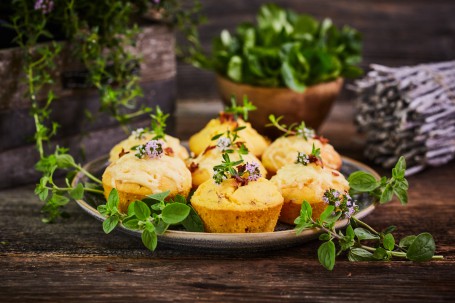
point(284, 149)
point(230, 208)
point(139, 137)
point(298, 182)
point(202, 166)
point(135, 178)
point(253, 140)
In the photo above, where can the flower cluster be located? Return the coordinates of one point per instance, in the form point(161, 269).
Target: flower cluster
point(342, 202)
point(223, 143)
point(139, 133)
point(253, 171)
point(153, 149)
point(45, 6)
point(305, 132)
point(302, 158)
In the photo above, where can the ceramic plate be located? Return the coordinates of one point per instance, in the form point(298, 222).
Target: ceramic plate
point(283, 236)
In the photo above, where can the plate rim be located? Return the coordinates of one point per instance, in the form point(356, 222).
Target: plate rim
point(174, 236)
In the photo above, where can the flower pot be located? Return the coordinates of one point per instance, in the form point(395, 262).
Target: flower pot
point(18, 155)
point(311, 106)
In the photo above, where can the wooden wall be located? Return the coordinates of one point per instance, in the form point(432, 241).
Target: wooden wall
point(395, 33)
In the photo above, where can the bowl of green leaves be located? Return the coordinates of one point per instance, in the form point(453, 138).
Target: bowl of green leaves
point(288, 64)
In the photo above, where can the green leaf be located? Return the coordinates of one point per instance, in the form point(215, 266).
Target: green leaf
point(350, 232)
point(362, 181)
point(291, 77)
point(388, 241)
point(306, 211)
point(112, 200)
point(234, 70)
point(131, 224)
point(174, 213)
point(77, 193)
point(102, 209)
point(422, 248)
point(324, 237)
point(65, 161)
point(400, 168)
point(407, 241)
point(159, 196)
point(180, 199)
point(402, 195)
point(130, 211)
point(193, 222)
point(389, 229)
point(381, 254)
point(327, 212)
point(161, 227)
point(141, 210)
point(149, 239)
point(326, 254)
point(363, 234)
point(110, 223)
point(359, 254)
point(300, 226)
point(387, 194)
point(59, 200)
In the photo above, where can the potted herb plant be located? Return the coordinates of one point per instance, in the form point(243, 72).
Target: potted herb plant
point(65, 62)
point(287, 63)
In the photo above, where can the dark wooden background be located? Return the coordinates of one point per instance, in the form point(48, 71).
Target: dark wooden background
point(395, 33)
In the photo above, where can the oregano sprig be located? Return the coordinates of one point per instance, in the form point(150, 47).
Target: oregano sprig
point(380, 245)
point(152, 216)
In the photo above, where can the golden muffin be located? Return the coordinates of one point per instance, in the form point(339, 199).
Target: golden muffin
point(298, 182)
point(139, 137)
point(230, 208)
point(253, 140)
point(135, 178)
point(284, 150)
point(202, 167)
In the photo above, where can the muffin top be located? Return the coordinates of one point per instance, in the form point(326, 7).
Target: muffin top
point(148, 172)
point(202, 166)
point(253, 140)
point(137, 138)
point(228, 195)
point(284, 149)
point(309, 182)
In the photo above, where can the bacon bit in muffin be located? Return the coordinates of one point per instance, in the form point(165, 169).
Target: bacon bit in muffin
point(315, 160)
point(122, 153)
point(193, 167)
point(335, 173)
point(210, 147)
point(168, 151)
point(226, 117)
point(322, 139)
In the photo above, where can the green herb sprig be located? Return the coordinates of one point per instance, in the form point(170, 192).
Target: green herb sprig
point(294, 129)
point(153, 216)
point(240, 110)
point(382, 245)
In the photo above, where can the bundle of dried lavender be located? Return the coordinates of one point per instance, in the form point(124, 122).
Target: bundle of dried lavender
point(408, 111)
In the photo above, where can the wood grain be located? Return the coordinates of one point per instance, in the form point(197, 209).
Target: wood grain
point(74, 260)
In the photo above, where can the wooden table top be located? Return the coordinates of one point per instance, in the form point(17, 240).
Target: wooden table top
point(74, 260)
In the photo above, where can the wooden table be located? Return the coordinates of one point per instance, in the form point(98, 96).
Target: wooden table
point(74, 260)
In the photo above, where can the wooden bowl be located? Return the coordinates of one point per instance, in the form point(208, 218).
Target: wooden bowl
point(311, 106)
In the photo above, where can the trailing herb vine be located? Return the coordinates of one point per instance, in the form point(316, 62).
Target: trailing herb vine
point(415, 248)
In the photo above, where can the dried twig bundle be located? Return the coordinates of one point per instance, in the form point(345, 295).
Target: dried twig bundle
point(408, 111)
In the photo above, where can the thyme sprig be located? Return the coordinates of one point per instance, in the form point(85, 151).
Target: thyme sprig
point(240, 110)
point(294, 129)
point(415, 248)
point(314, 157)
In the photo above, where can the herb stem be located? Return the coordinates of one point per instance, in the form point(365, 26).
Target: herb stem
point(365, 225)
point(92, 177)
point(398, 254)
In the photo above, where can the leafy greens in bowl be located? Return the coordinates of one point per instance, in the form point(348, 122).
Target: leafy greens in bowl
point(286, 49)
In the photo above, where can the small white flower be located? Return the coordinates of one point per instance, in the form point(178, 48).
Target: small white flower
point(223, 143)
point(138, 133)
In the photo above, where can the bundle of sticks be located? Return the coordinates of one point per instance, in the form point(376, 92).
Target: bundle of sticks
point(408, 111)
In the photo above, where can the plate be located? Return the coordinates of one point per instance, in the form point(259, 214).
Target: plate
point(283, 236)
